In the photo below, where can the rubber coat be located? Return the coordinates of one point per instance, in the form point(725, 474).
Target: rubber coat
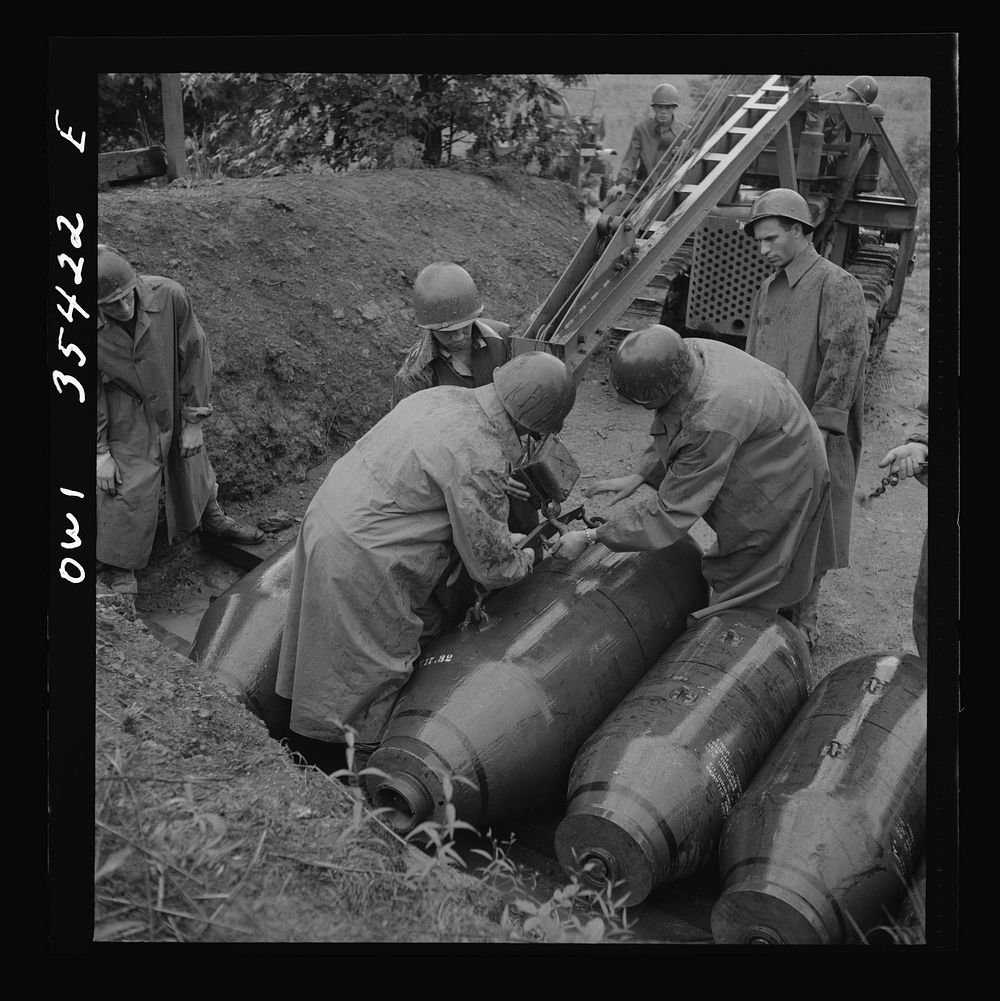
point(647, 145)
point(146, 386)
point(738, 448)
point(423, 485)
point(809, 321)
point(920, 588)
point(427, 365)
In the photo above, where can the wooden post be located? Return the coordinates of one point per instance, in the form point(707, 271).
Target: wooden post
point(173, 124)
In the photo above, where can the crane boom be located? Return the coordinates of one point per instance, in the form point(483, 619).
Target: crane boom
point(621, 253)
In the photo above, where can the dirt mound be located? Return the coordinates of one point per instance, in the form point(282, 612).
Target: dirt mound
point(304, 287)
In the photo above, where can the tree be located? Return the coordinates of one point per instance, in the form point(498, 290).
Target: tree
point(244, 123)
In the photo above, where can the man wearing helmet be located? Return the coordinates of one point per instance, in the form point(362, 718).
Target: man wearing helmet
point(153, 394)
point(651, 138)
point(830, 121)
point(731, 442)
point(426, 486)
point(458, 347)
point(809, 321)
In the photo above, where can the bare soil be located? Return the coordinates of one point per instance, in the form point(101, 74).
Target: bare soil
point(303, 286)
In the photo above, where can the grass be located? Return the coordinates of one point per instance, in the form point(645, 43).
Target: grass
point(207, 831)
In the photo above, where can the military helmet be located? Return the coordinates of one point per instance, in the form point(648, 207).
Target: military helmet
point(445, 297)
point(537, 391)
point(878, 112)
point(783, 202)
point(666, 93)
point(115, 276)
point(865, 87)
point(651, 365)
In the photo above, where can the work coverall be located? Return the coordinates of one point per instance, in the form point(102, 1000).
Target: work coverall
point(425, 485)
point(146, 387)
point(738, 448)
point(647, 145)
point(428, 364)
point(809, 321)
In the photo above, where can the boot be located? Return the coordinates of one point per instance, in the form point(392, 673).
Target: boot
point(123, 581)
point(806, 616)
point(215, 522)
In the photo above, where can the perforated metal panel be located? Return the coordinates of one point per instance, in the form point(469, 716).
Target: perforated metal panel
point(726, 271)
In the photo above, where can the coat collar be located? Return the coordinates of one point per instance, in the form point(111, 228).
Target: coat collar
point(146, 303)
point(682, 397)
point(489, 400)
point(801, 263)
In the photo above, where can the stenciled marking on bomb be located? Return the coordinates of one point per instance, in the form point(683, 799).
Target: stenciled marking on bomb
point(719, 765)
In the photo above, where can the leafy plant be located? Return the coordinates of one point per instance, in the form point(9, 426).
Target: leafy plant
point(253, 123)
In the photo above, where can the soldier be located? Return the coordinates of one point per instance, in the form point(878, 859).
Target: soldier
point(458, 348)
point(732, 443)
point(809, 320)
point(424, 487)
point(910, 459)
point(861, 90)
point(651, 138)
point(153, 393)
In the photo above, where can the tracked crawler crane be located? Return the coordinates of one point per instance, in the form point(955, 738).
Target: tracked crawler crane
point(676, 252)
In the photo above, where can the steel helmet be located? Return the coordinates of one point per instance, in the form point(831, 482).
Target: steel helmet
point(651, 365)
point(666, 93)
point(878, 112)
point(781, 202)
point(445, 297)
point(535, 388)
point(115, 276)
point(865, 87)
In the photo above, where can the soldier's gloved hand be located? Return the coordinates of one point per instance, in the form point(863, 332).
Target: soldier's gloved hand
point(906, 460)
point(192, 440)
point(109, 477)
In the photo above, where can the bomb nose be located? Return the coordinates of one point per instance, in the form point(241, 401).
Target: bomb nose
point(406, 802)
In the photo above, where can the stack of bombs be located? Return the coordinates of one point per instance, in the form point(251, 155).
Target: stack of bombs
point(682, 744)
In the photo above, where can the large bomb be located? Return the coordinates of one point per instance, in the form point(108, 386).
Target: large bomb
point(239, 637)
point(820, 847)
point(650, 789)
point(495, 713)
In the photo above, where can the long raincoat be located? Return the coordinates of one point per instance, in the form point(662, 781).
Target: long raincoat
point(146, 386)
point(809, 321)
point(648, 143)
point(424, 485)
point(427, 364)
point(738, 448)
point(920, 588)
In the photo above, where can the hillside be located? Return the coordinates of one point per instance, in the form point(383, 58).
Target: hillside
point(304, 288)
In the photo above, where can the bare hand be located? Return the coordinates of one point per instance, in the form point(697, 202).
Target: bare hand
point(569, 545)
point(620, 486)
point(515, 488)
point(615, 191)
point(109, 476)
point(906, 460)
point(192, 440)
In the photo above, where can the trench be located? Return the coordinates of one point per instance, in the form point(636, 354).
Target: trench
point(677, 913)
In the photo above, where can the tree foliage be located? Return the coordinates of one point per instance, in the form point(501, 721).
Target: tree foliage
point(247, 123)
